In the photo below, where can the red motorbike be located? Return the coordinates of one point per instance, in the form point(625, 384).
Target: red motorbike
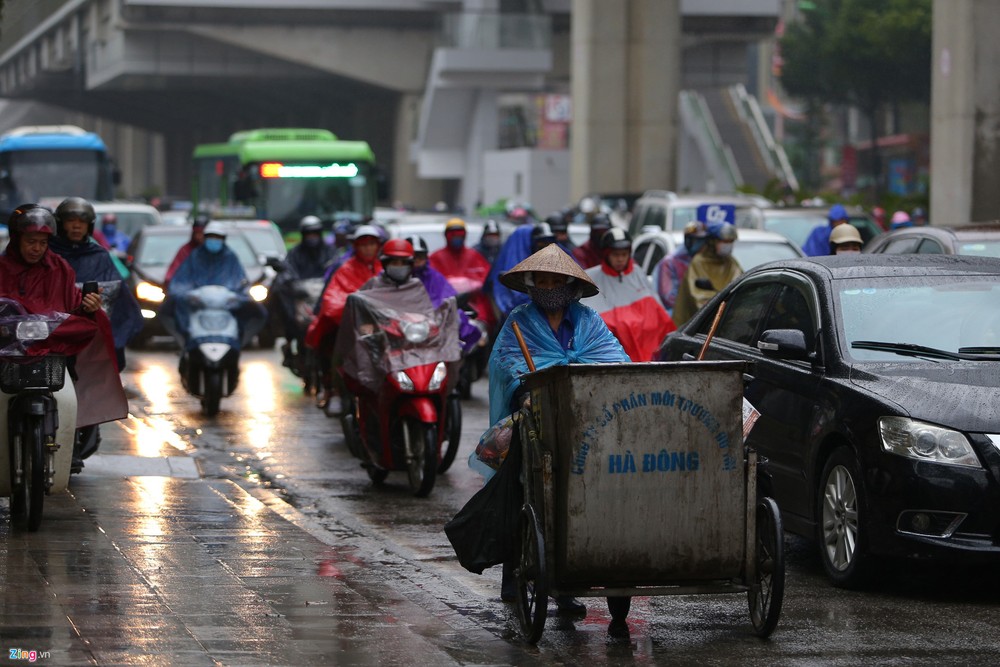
point(399, 368)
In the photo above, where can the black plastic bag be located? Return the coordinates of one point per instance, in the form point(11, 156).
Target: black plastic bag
point(484, 532)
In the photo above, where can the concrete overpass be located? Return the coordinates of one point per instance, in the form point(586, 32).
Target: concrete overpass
point(417, 79)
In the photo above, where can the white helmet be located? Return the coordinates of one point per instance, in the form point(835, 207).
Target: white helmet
point(366, 230)
point(215, 228)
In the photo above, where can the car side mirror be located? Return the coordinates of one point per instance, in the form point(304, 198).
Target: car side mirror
point(705, 283)
point(784, 344)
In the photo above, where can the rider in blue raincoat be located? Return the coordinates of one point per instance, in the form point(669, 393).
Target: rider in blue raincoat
point(74, 242)
point(212, 263)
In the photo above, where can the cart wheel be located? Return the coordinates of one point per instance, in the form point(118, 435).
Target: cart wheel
point(453, 431)
point(532, 578)
point(767, 590)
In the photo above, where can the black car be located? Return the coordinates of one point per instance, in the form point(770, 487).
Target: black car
point(149, 257)
point(877, 378)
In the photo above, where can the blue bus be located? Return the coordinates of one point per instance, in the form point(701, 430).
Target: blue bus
point(46, 163)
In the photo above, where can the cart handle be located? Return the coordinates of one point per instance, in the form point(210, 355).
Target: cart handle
point(524, 347)
point(711, 331)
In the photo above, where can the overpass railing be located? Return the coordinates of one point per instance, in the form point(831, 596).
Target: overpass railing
point(486, 30)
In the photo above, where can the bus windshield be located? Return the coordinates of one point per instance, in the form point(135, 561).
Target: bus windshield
point(287, 200)
point(34, 175)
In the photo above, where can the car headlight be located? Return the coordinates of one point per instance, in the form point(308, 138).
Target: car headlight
point(258, 292)
point(925, 442)
point(403, 380)
point(440, 373)
point(149, 292)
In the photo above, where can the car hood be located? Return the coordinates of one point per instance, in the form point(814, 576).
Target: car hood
point(961, 395)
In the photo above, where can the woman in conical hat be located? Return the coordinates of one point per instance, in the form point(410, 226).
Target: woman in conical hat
point(557, 330)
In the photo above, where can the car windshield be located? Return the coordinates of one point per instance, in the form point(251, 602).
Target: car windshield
point(752, 253)
point(941, 312)
point(795, 228)
point(160, 249)
point(130, 222)
point(264, 241)
point(747, 217)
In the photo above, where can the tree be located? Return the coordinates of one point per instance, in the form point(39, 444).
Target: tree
point(861, 53)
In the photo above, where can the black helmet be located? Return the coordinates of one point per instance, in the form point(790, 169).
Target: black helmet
point(542, 233)
point(201, 220)
point(616, 238)
point(30, 218)
point(310, 223)
point(419, 245)
point(557, 222)
point(75, 207)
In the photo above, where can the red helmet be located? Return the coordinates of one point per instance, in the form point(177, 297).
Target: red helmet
point(398, 249)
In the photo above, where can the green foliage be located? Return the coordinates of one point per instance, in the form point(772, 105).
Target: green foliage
point(864, 53)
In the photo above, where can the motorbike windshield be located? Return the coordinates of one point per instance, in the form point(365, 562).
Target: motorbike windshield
point(389, 330)
point(21, 331)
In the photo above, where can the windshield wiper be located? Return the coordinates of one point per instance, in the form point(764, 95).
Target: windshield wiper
point(986, 350)
point(905, 349)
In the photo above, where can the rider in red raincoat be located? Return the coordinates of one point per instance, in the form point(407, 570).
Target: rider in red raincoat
point(464, 268)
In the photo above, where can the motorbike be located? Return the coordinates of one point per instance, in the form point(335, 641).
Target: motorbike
point(210, 361)
point(303, 361)
point(399, 371)
point(38, 452)
point(475, 360)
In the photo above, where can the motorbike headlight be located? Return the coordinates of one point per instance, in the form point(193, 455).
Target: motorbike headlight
point(416, 332)
point(258, 292)
point(403, 380)
point(149, 292)
point(32, 330)
point(925, 442)
point(440, 373)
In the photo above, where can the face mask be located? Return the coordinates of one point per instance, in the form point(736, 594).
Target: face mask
point(213, 245)
point(848, 252)
point(109, 229)
point(724, 249)
point(491, 242)
point(399, 274)
point(312, 241)
point(456, 242)
point(553, 300)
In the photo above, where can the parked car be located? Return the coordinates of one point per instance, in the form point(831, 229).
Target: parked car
point(797, 223)
point(150, 255)
point(664, 210)
point(979, 240)
point(130, 217)
point(752, 248)
point(877, 380)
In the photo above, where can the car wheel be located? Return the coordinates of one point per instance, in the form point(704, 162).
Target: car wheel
point(841, 513)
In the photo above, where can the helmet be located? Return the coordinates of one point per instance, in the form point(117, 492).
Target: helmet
point(491, 227)
point(845, 234)
point(616, 238)
point(397, 249)
point(454, 225)
point(310, 223)
point(694, 236)
point(75, 207)
point(587, 205)
point(557, 222)
point(900, 218)
point(366, 230)
point(215, 228)
point(201, 220)
point(30, 218)
point(600, 224)
point(109, 219)
point(918, 212)
point(542, 233)
point(419, 245)
point(837, 212)
point(722, 231)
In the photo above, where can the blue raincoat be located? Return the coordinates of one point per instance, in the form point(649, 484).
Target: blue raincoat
point(205, 268)
point(515, 249)
point(92, 262)
point(592, 343)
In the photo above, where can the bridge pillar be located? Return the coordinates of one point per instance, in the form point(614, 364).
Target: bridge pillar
point(965, 112)
point(625, 81)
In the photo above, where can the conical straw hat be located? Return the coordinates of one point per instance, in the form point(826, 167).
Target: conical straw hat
point(553, 259)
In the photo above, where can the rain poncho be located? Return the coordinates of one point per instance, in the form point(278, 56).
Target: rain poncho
point(438, 289)
point(373, 340)
point(630, 309)
point(818, 243)
point(667, 276)
point(720, 271)
point(514, 250)
point(303, 262)
point(467, 271)
point(592, 343)
point(205, 268)
point(587, 255)
point(49, 287)
point(348, 279)
point(92, 262)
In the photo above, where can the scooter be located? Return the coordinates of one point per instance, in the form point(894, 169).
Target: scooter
point(210, 362)
point(302, 360)
point(404, 422)
point(36, 457)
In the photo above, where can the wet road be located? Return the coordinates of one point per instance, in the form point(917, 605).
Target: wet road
point(389, 552)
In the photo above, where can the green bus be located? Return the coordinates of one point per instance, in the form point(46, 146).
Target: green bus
point(283, 174)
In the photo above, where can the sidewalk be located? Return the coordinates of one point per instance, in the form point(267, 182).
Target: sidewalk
point(170, 568)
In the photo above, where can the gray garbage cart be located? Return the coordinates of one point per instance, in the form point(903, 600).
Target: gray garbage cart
point(637, 482)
